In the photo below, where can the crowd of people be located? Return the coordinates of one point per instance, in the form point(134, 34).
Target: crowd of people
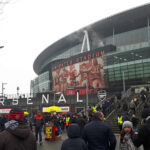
point(92, 133)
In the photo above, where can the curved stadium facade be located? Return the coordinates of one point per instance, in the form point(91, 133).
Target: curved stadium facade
point(107, 53)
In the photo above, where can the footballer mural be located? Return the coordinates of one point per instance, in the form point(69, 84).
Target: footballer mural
point(75, 75)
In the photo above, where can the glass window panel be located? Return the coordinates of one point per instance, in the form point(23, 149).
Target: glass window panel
point(131, 70)
point(118, 78)
point(139, 69)
point(131, 73)
point(111, 72)
point(111, 79)
point(139, 76)
point(131, 76)
point(139, 72)
point(146, 75)
point(118, 75)
point(139, 65)
point(112, 76)
point(131, 66)
point(111, 69)
point(117, 68)
point(126, 77)
point(124, 68)
point(146, 71)
point(147, 68)
point(117, 72)
point(147, 64)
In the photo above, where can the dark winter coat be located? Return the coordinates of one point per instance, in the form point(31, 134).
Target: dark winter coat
point(81, 122)
point(38, 121)
point(134, 121)
point(99, 136)
point(143, 136)
point(20, 138)
point(74, 142)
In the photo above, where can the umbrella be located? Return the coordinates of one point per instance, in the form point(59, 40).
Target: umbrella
point(26, 113)
point(52, 109)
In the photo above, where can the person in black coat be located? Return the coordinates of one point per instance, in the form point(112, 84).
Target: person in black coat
point(81, 122)
point(142, 137)
point(74, 142)
point(98, 134)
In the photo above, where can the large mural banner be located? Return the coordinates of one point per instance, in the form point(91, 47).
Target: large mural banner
point(75, 75)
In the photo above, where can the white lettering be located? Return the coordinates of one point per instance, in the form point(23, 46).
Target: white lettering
point(2, 101)
point(78, 98)
point(15, 101)
point(45, 99)
point(29, 99)
point(62, 98)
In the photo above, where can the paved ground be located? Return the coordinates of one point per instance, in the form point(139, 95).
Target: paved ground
point(51, 145)
point(56, 145)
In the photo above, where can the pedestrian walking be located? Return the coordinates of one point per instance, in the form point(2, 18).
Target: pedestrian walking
point(39, 122)
point(81, 122)
point(132, 106)
point(17, 135)
point(98, 134)
point(126, 136)
point(120, 121)
point(142, 137)
point(134, 121)
point(74, 141)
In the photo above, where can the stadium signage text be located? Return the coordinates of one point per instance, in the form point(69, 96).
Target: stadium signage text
point(78, 59)
point(45, 99)
point(84, 56)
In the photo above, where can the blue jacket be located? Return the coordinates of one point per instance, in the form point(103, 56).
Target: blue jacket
point(99, 136)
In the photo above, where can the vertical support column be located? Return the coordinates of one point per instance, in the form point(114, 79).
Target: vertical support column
point(123, 79)
point(85, 40)
point(3, 89)
point(113, 39)
point(54, 98)
point(148, 36)
point(87, 98)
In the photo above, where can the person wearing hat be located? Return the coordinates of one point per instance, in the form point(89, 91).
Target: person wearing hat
point(17, 135)
point(126, 136)
point(142, 137)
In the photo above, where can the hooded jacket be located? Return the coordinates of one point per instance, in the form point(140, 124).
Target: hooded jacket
point(143, 136)
point(74, 142)
point(17, 137)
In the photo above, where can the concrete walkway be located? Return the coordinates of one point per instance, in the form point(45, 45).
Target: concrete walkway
point(56, 145)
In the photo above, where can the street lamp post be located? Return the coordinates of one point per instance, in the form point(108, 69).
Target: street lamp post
point(54, 98)
point(3, 88)
point(87, 98)
point(1, 46)
point(18, 91)
point(123, 80)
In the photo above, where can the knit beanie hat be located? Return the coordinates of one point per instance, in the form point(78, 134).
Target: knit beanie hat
point(16, 113)
point(127, 124)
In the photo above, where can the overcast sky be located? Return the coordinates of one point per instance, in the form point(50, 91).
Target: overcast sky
point(27, 27)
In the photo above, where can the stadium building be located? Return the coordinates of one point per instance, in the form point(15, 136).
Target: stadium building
point(111, 54)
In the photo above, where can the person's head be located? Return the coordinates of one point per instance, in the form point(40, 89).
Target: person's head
point(17, 114)
point(74, 131)
point(98, 115)
point(39, 113)
point(127, 127)
point(145, 113)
